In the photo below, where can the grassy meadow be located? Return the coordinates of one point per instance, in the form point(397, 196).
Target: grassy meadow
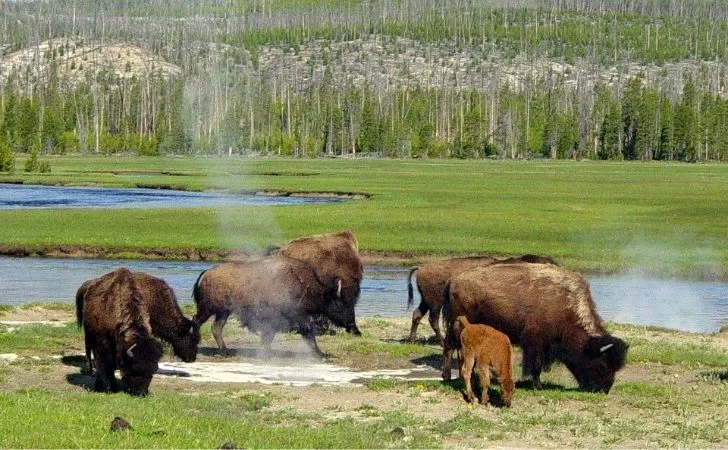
point(658, 400)
point(592, 216)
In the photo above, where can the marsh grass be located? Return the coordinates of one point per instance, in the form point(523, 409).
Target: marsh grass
point(659, 218)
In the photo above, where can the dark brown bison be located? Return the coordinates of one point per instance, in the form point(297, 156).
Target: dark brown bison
point(165, 317)
point(545, 309)
point(432, 281)
point(117, 332)
point(334, 257)
point(270, 294)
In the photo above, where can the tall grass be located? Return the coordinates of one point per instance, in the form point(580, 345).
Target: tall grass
point(667, 218)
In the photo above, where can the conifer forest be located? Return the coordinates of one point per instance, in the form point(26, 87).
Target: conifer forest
point(560, 79)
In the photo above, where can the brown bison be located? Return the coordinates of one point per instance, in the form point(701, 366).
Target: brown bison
point(270, 294)
point(490, 350)
point(334, 257)
point(545, 309)
point(165, 317)
point(117, 332)
point(432, 281)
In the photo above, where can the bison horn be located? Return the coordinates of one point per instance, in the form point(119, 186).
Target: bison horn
point(192, 329)
point(338, 289)
point(128, 351)
point(605, 348)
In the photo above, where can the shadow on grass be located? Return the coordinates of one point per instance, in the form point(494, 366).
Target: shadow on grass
point(74, 361)
point(81, 380)
point(715, 375)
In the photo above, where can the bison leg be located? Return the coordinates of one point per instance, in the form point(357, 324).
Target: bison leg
point(310, 338)
point(434, 319)
point(484, 377)
point(532, 363)
point(467, 360)
point(417, 316)
point(88, 366)
point(221, 318)
point(105, 361)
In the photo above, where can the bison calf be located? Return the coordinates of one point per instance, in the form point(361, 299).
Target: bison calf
point(490, 350)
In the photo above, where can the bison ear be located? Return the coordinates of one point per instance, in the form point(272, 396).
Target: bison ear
point(128, 351)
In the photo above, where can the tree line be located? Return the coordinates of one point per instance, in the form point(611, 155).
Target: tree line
point(231, 99)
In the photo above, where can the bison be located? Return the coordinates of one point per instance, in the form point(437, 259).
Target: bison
point(270, 294)
point(432, 281)
point(334, 257)
point(117, 332)
point(490, 350)
point(165, 317)
point(545, 309)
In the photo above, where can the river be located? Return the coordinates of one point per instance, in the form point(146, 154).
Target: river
point(678, 304)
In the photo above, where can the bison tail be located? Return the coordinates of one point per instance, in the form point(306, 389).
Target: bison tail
point(196, 288)
point(80, 294)
point(410, 291)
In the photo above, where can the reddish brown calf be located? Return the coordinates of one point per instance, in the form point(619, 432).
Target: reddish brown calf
point(490, 350)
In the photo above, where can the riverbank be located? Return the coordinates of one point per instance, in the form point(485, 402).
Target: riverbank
point(382, 258)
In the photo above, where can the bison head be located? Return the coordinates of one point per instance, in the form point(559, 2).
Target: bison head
point(186, 340)
point(340, 308)
point(594, 368)
point(140, 362)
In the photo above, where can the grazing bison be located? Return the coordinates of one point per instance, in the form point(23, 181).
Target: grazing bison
point(117, 332)
point(545, 309)
point(490, 350)
point(165, 317)
point(432, 281)
point(334, 257)
point(270, 294)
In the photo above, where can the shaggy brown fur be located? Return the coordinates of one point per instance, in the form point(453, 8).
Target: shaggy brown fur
point(269, 294)
point(545, 309)
point(117, 332)
point(432, 282)
point(165, 317)
point(334, 256)
point(490, 350)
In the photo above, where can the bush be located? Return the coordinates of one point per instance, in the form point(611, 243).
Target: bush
point(7, 157)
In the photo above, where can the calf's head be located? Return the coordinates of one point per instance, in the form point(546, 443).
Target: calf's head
point(186, 340)
point(594, 368)
point(140, 362)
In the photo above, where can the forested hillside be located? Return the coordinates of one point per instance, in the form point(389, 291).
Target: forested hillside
point(597, 79)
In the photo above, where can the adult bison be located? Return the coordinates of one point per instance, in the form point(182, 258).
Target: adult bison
point(270, 294)
point(545, 309)
point(117, 332)
point(165, 317)
point(334, 257)
point(432, 281)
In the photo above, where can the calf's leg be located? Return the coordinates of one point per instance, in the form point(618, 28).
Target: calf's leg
point(467, 362)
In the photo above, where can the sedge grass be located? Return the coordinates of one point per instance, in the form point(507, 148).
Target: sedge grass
point(593, 216)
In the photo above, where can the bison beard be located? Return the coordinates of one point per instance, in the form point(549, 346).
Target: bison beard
point(269, 295)
point(117, 332)
point(546, 310)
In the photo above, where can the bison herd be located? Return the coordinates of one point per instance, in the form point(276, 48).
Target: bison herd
point(487, 304)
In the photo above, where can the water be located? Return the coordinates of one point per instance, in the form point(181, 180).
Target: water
point(15, 196)
point(684, 305)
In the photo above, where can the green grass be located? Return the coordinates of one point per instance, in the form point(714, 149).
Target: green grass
point(592, 216)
